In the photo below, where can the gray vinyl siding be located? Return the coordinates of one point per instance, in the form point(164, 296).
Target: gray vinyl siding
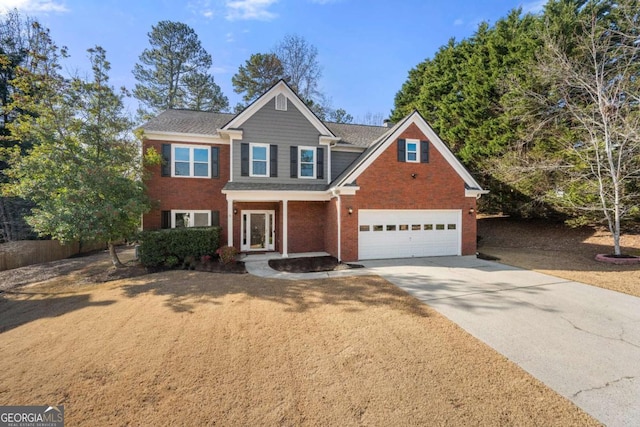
point(284, 129)
point(340, 160)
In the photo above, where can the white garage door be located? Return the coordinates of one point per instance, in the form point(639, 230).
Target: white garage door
point(408, 233)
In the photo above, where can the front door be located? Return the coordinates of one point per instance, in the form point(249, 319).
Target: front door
point(258, 231)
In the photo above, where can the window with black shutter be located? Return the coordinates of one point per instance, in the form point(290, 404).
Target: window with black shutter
point(244, 159)
point(424, 151)
point(402, 150)
point(166, 160)
point(273, 157)
point(215, 162)
point(320, 163)
point(165, 219)
point(294, 161)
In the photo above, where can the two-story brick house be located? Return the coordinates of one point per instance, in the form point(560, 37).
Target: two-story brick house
point(276, 178)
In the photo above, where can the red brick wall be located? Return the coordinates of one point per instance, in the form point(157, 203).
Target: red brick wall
point(307, 221)
point(388, 184)
point(349, 235)
point(186, 193)
point(331, 229)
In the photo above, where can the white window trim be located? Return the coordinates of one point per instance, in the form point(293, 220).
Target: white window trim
point(406, 154)
point(282, 105)
point(315, 162)
point(268, 159)
point(191, 160)
point(191, 216)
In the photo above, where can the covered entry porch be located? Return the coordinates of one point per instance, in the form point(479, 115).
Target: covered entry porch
point(284, 222)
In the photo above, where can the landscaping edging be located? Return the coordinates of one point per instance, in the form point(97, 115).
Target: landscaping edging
point(611, 259)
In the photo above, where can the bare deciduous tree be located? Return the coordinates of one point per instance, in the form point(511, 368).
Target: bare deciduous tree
point(593, 89)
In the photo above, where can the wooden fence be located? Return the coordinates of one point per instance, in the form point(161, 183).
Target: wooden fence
point(28, 252)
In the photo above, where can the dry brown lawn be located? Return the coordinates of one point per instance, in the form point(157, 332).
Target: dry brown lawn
point(192, 348)
point(560, 251)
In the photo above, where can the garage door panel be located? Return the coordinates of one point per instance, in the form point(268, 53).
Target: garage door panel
point(408, 233)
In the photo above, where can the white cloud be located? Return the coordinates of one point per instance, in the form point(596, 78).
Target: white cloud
point(200, 7)
point(250, 9)
point(32, 6)
point(229, 38)
point(325, 1)
point(458, 22)
point(535, 6)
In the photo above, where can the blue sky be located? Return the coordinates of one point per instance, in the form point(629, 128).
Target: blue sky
point(365, 47)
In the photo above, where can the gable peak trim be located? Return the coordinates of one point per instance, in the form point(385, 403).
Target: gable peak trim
point(281, 87)
point(394, 133)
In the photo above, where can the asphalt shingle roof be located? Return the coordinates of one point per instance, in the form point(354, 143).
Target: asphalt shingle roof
point(188, 121)
point(360, 135)
point(204, 123)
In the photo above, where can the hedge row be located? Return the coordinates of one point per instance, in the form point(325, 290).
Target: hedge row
point(172, 247)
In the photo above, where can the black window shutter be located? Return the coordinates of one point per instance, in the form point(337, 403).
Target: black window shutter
point(402, 150)
point(320, 163)
point(424, 151)
point(215, 218)
point(165, 219)
point(294, 161)
point(215, 162)
point(244, 159)
point(166, 160)
point(273, 167)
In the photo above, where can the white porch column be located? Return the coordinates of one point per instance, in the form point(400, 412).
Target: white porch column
point(285, 228)
point(339, 215)
point(229, 222)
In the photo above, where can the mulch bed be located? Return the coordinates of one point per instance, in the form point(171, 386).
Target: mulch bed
point(236, 267)
point(310, 264)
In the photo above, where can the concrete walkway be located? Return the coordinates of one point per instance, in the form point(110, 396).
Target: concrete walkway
point(580, 340)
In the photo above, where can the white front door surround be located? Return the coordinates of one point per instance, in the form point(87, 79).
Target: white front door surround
point(257, 230)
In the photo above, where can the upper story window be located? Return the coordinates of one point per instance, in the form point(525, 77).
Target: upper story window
point(259, 159)
point(412, 150)
point(307, 162)
point(281, 102)
point(191, 161)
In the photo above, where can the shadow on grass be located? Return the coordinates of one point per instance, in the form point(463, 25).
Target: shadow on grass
point(184, 291)
point(34, 306)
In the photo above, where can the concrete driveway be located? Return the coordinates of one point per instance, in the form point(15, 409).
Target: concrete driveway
point(580, 340)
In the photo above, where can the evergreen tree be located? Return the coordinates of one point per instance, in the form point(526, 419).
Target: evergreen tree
point(173, 73)
point(260, 72)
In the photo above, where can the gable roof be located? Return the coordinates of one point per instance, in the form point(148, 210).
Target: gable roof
point(206, 123)
point(279, 88)
point(348, 177)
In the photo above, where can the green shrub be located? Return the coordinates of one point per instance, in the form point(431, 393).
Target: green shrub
point(171, 261)
point(157, 246)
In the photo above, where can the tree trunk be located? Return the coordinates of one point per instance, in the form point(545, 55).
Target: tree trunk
point(114, 256)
